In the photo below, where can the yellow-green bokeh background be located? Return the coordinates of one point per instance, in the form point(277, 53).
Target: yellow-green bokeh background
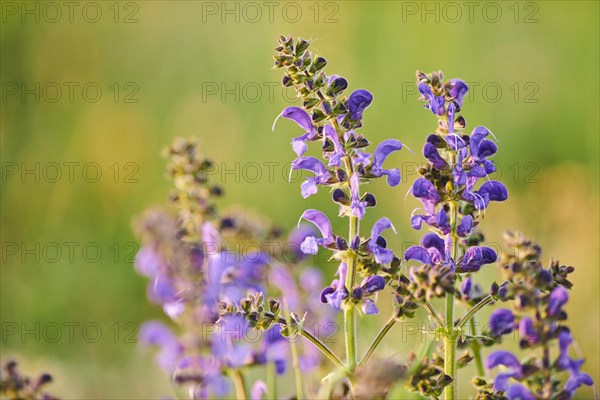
point(171, 52)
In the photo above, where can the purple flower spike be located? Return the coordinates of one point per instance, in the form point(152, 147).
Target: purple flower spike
point(382, 255)
point(320, 220)
point(458, 90)
point(369, 307)
point(558, 298)
point(475, 257)
point(372, 284)
point(501, 322)
point(358, 102)
point(382, 151)
point(322, 175)
point(465, 226)
point(432, 154)
point(435, 103)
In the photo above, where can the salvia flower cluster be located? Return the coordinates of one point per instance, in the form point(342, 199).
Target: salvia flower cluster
point(204, 285)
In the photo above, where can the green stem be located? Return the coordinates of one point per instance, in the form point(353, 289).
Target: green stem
point(434, 314)
point(314, 340)
point(271, 380)
point(450, 334)
point(351, 263)
point(378, 339)
point(350, 309)
point(474, 310)
point(238, 382)
point(476, 347)
point(297, 370)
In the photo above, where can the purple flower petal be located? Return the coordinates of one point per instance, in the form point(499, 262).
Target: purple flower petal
point(372, 284)
point(527, 331)
point(369, 307)
point(465, 226)
point(557, 299)
point(519, 392)
point(321, 221)
point(502, 357)
point(475, 257)
point(458, 90)
point(299, 116)
point(358, 101)
point(435, 247)
point(432, 154)
point(501, 322)
point(417, 253)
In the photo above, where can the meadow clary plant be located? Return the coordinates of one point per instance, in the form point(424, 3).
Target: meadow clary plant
point(204, 284)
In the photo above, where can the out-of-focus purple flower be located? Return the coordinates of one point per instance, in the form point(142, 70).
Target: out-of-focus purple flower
point(434, 103)
point(230, 344)
point(557, 299)
point(258, 390)
point(207, 370)
point(301, 117)
point(502, 322)
point(162, 290)
point(382, 151)
point(148, 262)
point(527, 331)
point(310, 245)
point(377, 245)
point(358, 102)
point(458, 90)
point(295, 239)
point(503, 357)
point(154, 333)
point(475, 257)
point(322, 175)
point(576, 377)
point(519, 392)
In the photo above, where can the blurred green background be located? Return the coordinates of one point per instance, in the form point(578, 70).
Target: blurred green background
point(203, 69)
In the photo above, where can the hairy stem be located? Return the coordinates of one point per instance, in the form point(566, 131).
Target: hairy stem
point(450, 334)
point(434, 314)
point(474, 310)
point(351, 263)
point(378, 339)
point(476, 347)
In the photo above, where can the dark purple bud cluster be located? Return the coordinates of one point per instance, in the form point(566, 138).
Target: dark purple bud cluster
point(14, 386)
